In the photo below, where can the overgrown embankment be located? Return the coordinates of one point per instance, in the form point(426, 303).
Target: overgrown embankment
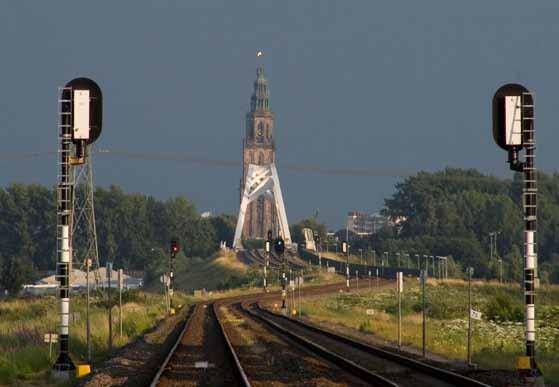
point(497, 339)
point(24, 357)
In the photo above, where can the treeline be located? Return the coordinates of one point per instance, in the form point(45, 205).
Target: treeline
point(131, 229)
point(452, 212)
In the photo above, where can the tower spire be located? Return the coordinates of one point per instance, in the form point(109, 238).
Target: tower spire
point(260, 100)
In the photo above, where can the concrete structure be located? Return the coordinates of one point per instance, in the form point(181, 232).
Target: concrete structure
point(259, 149)
point(363, 224)
point(262, 182)
point(50, 284)
point(309, 239)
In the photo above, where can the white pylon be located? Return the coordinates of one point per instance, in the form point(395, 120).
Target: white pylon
point(262, 180)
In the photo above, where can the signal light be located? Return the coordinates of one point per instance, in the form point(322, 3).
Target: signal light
point(279, 246)
point(174, 247)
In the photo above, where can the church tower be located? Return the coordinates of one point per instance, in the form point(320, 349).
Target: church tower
point(259, 149)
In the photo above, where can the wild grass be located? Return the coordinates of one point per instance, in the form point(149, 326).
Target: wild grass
point(24, 357)
point(497, 340)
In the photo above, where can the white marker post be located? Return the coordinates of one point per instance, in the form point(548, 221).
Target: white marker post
point(345, 250)
point(120, 286)
point(399, 290)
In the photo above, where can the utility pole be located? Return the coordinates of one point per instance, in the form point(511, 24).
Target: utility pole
point(491, 247)
point(470, 273)
point(110, 305)
point(399, 290)
point(423, 335)
point(357, 279)
point(299, 288)
point(319, 249)
point(345, 250)
point(87, 319)
point(383, 262)
point(513, 131)
point(120, 285)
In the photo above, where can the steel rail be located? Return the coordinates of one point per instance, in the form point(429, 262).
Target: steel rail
point(241, 374)
point(163, 366)
point(347, 364)
point(439, 373)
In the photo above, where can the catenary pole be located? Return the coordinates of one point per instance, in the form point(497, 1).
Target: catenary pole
point(470, 271)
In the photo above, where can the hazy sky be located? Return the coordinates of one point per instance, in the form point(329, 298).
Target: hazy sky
point(354, 85)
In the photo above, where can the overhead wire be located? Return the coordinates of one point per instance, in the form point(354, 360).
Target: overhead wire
point(210, 162)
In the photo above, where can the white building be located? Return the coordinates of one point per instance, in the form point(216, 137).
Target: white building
point(78, 281)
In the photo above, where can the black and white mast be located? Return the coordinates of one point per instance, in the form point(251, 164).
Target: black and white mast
point(513, 130)
point(80, 120)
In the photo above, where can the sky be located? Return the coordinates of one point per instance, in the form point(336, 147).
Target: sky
point(378, 86)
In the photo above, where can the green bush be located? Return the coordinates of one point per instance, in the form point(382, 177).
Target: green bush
point(503, 307)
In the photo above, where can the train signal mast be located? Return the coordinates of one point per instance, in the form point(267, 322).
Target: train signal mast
point(172, 255)
point(513, 131)
point(268, 246)
point(345, 250)
point(80, 124)
point(279, 247)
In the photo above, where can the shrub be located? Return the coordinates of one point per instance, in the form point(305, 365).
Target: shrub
point(503, 307)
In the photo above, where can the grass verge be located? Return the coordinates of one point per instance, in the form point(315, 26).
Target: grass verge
point(497, 340)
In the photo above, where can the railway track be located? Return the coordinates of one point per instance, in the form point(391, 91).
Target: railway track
point(389, 369)
point(256, 257)
point(202, 355)
point(235, 342)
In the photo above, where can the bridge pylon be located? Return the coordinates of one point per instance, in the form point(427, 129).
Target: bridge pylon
point(262, 180)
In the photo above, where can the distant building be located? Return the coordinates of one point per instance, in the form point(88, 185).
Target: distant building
point(49, 285)
point(364, 224)
point(259, 148)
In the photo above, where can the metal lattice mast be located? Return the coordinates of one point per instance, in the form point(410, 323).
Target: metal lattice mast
point(83, 225)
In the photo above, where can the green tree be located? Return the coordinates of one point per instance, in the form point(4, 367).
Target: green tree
point(15, 272)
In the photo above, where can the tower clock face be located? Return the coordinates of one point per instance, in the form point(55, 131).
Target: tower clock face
point(260, 131)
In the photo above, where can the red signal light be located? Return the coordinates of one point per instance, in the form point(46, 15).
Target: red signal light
point(174, 247)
